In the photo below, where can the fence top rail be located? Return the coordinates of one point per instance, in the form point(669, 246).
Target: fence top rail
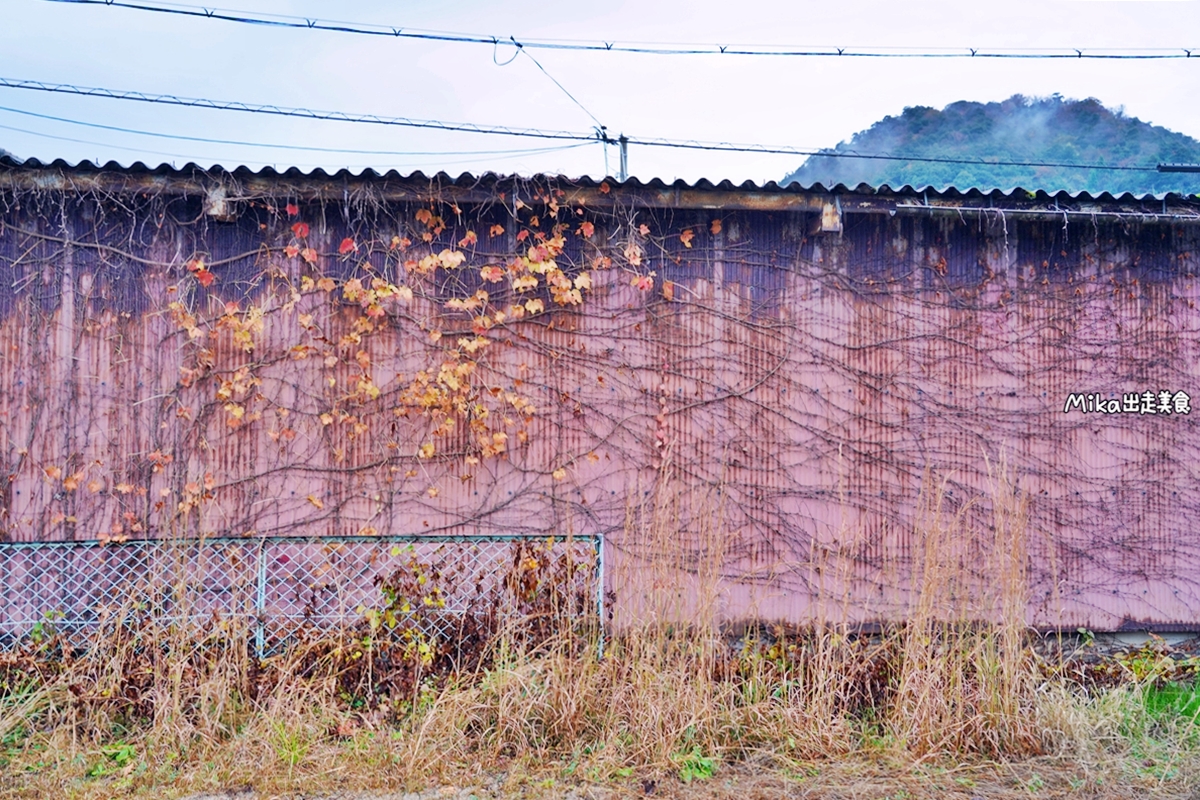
point(412, 538)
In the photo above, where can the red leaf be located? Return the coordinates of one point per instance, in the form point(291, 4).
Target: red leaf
point(309, 255)
point(292, 209)
point(301, 230)
point(586, 229)
point(522, 236)
point(348, 245)
point(604, 188)
point(205, 277)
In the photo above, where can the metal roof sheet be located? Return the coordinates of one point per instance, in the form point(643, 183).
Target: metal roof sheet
point(466, 179)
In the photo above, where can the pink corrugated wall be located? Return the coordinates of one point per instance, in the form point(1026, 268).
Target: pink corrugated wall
point(809, 385)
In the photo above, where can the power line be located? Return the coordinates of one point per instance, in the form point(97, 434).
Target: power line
point(677, 49)
point(273, 145)
point(499, 154)
point(339, 116)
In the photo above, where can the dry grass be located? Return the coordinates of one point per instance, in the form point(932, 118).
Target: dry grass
point(953, 701)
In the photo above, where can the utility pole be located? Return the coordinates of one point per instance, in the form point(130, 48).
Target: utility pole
point(623, 172)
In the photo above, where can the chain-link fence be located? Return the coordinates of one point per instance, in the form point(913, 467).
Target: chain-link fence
point(280, 586)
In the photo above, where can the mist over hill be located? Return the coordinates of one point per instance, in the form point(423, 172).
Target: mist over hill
point(1049, 129)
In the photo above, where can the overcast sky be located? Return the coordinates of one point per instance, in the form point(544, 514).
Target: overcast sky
point(805, 102)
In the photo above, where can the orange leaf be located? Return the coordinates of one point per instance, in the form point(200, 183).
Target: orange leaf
point(468, 240)
point(292, 209)
point(559, 474)
point(205, 277)
point(291, 251)
point(424, 216)
point(301, 230)
point(586, 229)
point(348, 245)
point(604, 189)
point(316, 501)
point(326, 284)
point(715, 227)
point(687, 236)
point(53, 473)
point(496, 230)
point(492, 274)
point(668, 291)
point(309, 255)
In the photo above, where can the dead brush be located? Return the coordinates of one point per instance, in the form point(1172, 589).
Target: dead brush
point(409, 693)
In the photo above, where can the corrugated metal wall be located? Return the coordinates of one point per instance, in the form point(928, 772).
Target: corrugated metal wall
point(790, 389)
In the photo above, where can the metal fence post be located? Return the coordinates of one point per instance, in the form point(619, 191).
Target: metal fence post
point(260, 602)
point(600, 588)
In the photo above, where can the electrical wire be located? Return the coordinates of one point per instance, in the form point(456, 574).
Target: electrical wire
point(681, 49)
point(501, 155)
point(277, 146)
point(597, 136)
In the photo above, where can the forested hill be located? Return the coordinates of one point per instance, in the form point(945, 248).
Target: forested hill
point(1019, 129)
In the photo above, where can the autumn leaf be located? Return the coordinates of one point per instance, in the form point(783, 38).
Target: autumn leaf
point(586, 229)
point(95, 485)
point(53, 473)
point(309, 255)
point(348, 245)
point(291, 251)
point(468, 240)
point(668, 291)
point(492, 274)
point(125, 488)
point(426, 450)
point(522, 236)
point(424, 216)
point(71, 482)
point(687, 236)
point(326, 284)
point(496, 230)
point(643, 282)
point(559, 474)
point(715, 227)
point(583, 281)
point(301, 230)
point(205, 278)
point(433, 491)
point(404, 293)
point(604, 188)
point(292, 209)
point(535, 306)
point(633, 254)
point(316, 501)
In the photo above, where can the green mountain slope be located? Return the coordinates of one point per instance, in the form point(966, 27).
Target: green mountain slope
point(1049, 129)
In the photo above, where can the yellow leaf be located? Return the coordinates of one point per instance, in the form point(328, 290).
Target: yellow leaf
point(559, 474)
point(426, 450)
point(433, 491)
point(535, 306)
point(316, 501)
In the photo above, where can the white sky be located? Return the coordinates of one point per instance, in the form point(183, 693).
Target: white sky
point(805, 102)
